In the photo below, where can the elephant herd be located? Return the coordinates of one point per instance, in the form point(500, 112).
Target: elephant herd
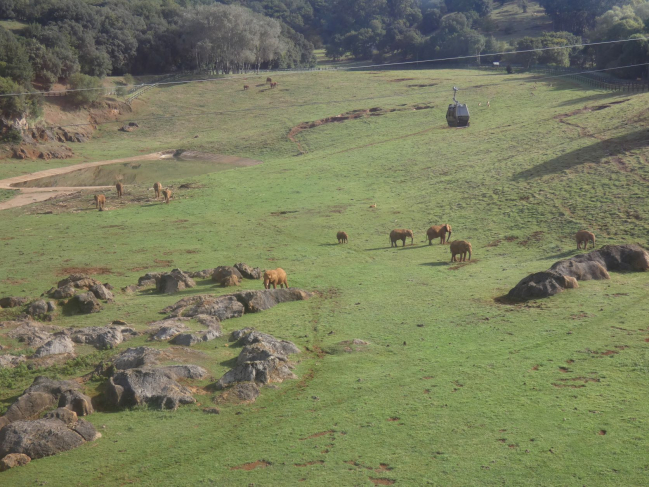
point(166, 193)
point(459, 248)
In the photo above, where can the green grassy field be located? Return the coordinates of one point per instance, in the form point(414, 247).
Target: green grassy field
point(454, 388)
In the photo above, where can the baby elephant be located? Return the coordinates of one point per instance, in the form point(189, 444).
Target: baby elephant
point(438, 231)
point(275, 277)
point(461, 248)
point(100, 201)
point(584, 237)
point(400, 234)
point(120, 189)
point(157, 187)
point(166, 194)
point(342, 237)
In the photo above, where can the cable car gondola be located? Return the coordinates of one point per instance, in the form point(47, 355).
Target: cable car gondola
point(458, 113)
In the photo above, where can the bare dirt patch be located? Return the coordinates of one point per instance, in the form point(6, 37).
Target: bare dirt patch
point(394, 418)
point(534, 238)
point(252, 465)
point(463, 264)
point(511, 239)
point(376, 481)
point(495, 243)
point(399, 80)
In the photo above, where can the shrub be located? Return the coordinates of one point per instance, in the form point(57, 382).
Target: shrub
point(89, 89)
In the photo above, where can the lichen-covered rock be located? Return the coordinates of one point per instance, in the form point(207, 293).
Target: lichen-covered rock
point(221, 307)
point(14, 460)
point(77, 402)
point(51, 386)
point(28, 406)
point(581, 270)
point(11, 361)
point(32, 333)
point(37, 308)
point(64, 292)
point(136, 357)
point(174, 281)
point(85, 303)
point(247, 271)
point(282, 348)
point(538, 285)
point(56, 346)
point(189, 339)
point(167, 329)
point(274, 369)
point(103, 337)
point(100, 292)
point(261, 300)
point(223, 273)
point(44, 437)
point(185, 371)
point(13, 302)
point(239, 393)
point(155, 387)
point(149, 279)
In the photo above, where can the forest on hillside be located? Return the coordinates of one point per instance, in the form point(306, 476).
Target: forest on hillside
point(79, 41)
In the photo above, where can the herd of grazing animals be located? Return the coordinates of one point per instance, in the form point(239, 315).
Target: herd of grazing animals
point(459, 248)
point(100, 199)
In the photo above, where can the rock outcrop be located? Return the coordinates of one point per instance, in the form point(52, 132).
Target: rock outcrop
point(103, 337)
point(84, 303)
point(11, 361)
point(136, 357)
point(154, 387)
point(189, 339)
point(261, 300)
point(13, 302)
point(226, 275)
point(14, 460)
point(593, 265)
point(174, 281)
point(247, 271)
point(56, 346)
point(37, 308)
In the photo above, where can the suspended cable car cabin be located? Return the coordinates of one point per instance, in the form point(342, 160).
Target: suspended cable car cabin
point(458, 113)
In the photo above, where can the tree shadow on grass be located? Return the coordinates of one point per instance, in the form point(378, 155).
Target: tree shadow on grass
point(436, 264)
point(602, 97)
point(329, 245)
point(593, 153)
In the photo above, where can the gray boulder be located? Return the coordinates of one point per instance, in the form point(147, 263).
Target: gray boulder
point(282, 348)
point(582, 270)
point(189, 339)
point(261, 300)
point(101, 292)
point(64, 292)
point(77, 402)
point(239, 393)
point(155, 387)
point(44, 437)
point(619, 258)
point(274, 369)
point(237, 334)
point(247, 271)
point(539, 285)
point(28, 406)
point(51, 386)
point(174, 281)
point(149, 279)
point(77, 280)
point(85, 303)
point(51, 306)
point(167, 329)
point(221, 307)
point(14, 460)
point(13, 302)
point(103, 337)
point(56, 346)
point(32, 333)
point(11, 361)
point(37, 308)
point(224, 274)
point(136, 357)
point(185, 371)
point(204, 274)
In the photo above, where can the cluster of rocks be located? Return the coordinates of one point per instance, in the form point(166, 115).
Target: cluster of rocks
point(262, 360)
point(176, 331)
point(49, 340)
point(71, 289)
point(593, 265)
point(23, 436)
point(136, 379)
point(177, 280)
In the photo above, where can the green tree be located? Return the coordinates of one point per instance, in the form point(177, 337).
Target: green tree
point(11, 107)
point(86, 89)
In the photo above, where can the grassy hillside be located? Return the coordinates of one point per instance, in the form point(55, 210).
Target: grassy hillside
point(512, 23)
point(454, 388)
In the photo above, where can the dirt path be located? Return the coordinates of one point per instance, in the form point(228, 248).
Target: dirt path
point(35, 195)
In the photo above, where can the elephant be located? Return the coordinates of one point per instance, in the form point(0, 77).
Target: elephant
point(584, 237)
point(166, 193)
point(342, 237)
point(461, 248)
point(157, 187)
point(269, 80)
point(400, 234)
point(438, 231)
point(246, 87)
point(275, 277)
point(120, 189)
point(100, 201)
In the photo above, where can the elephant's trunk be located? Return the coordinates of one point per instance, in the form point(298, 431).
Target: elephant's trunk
point(449, 236)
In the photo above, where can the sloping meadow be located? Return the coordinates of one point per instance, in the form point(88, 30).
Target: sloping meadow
point(451, 387)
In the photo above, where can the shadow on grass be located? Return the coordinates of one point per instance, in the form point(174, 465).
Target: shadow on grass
point(329, 245)
point(593, 153)
point(562, 255)
point(605, 97)
point(436, 264)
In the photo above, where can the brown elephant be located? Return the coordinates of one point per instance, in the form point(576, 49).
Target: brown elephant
point(275, 277)
point(246, 87)
point(438, 231)
point(120, 189)
point(157, 187)
point(584, 237)
point(100, 201)
point(269, 80)
point(461, 248)
point(273, 84)
point(342, 237)
point(166, 194)
point(400, 234)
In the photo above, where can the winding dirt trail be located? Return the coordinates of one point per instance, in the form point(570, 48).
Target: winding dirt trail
point(28, 196)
